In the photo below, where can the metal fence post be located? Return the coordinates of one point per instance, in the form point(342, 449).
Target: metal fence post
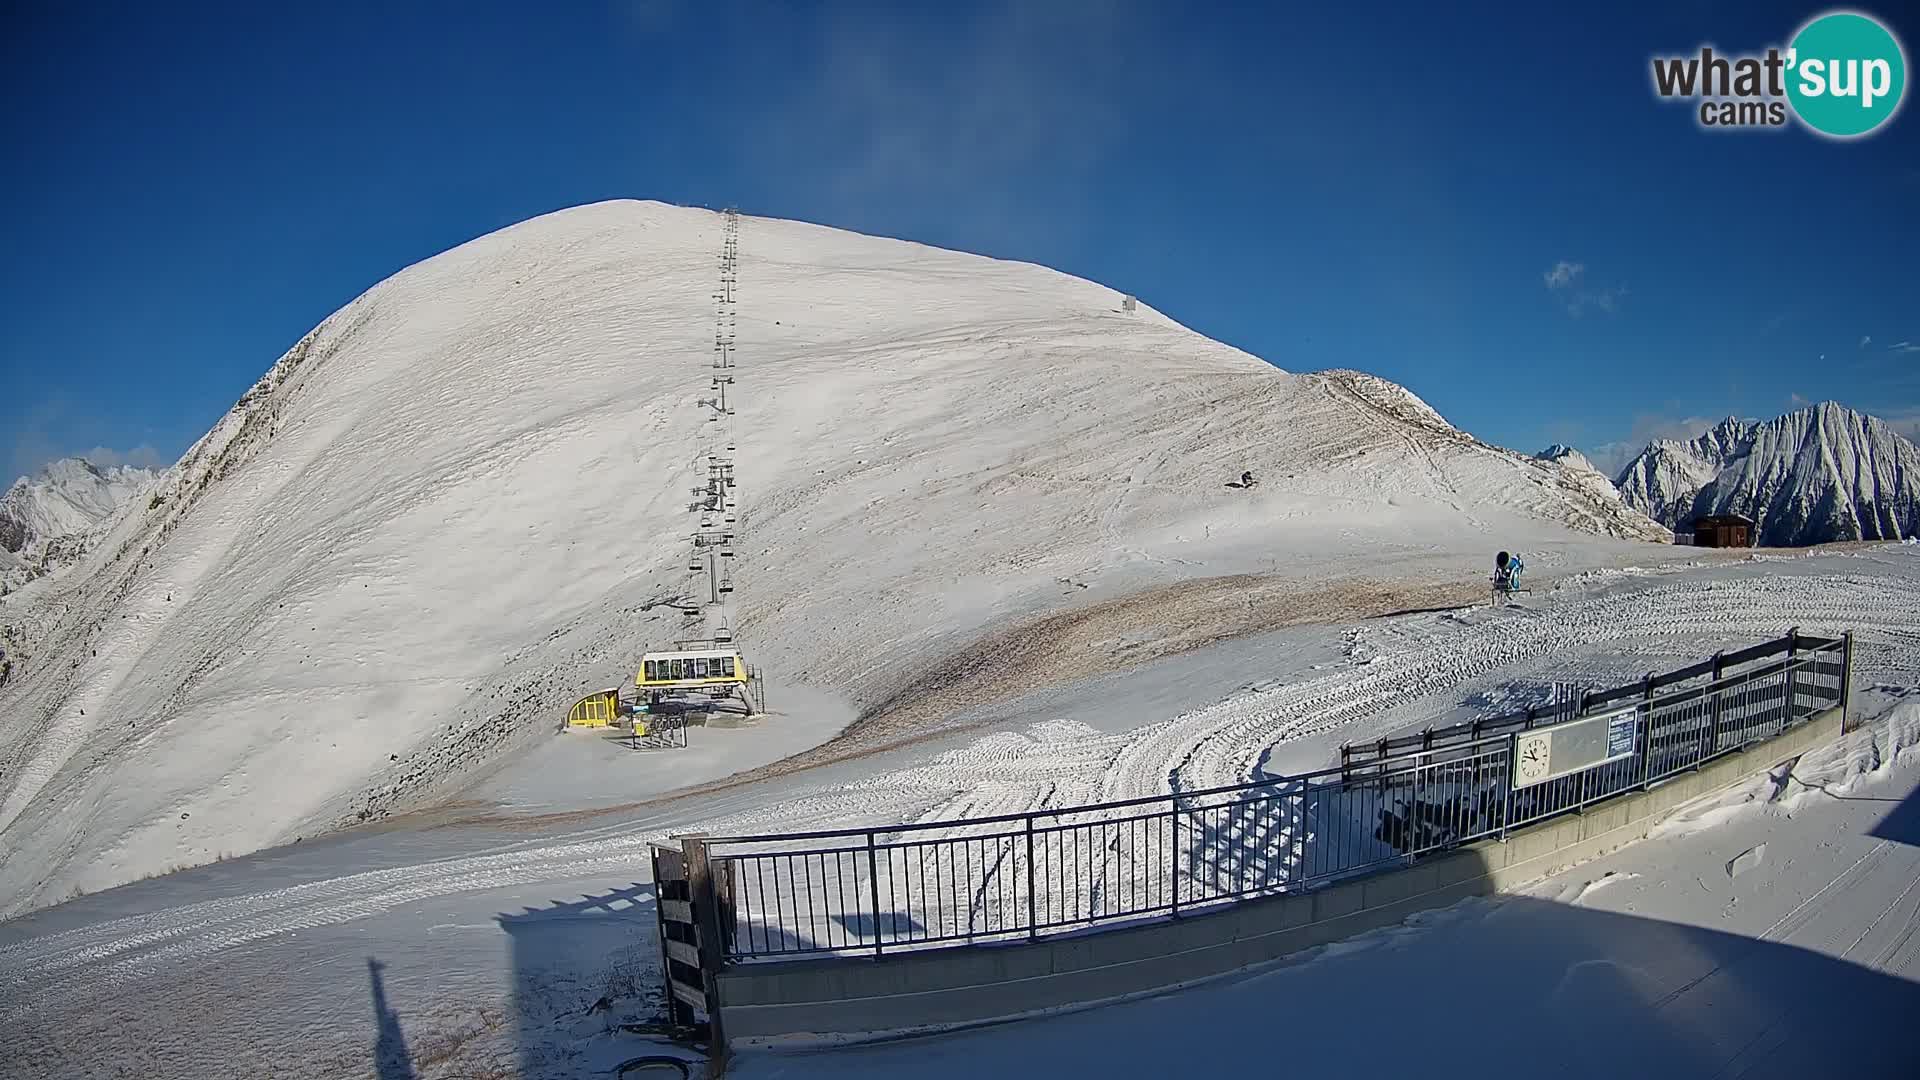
point(706, 918)
point(1173, 850)
point(1646, 737)
point(1033, 920)
point(1793, 676)
point(1513, 756)
point(873, 890)
point(1715, 695)
point(1846, 680)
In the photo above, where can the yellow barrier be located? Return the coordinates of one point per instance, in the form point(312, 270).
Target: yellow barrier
point(596, 710)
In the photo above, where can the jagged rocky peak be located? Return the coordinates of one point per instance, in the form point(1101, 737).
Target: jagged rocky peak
point(45, 518)
point(1562, 454)
point(1819, 474)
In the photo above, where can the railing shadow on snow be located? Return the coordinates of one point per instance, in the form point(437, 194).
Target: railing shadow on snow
point(581, 968)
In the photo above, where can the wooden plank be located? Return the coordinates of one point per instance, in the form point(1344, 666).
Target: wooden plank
point(679, 911)
point(673, 865)
point(701, 886)
point(1704, 667)
point(688, 994)
point(1618, 693)
point(683, 952)
point(1755, 652)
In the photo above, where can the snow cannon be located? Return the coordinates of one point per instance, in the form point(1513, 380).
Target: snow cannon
point(1506, 578)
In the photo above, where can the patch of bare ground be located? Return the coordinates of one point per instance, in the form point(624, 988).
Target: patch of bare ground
point(1056, 650)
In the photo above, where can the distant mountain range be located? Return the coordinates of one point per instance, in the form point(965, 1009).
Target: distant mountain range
point(1820, 474)
point(47, 520)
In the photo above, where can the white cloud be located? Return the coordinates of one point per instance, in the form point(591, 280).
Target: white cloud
point(1564, 282)
point(1907, 424)
point(1903, 347)
point(1563, 274)
point(1866, 340)
point(143, 456)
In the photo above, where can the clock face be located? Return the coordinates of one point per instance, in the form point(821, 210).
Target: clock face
point(1533, 757)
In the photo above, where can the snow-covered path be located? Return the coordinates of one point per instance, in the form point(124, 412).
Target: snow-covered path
point(1775, 933)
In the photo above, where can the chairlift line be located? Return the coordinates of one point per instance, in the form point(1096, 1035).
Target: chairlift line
point(720, 671)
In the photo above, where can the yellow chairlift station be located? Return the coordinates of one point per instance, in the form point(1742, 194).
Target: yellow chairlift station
point(691, 669)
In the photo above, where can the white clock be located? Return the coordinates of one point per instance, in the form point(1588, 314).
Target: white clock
point(1536, 756)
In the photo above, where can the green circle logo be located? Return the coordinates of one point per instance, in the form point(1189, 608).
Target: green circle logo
point(1846, 74)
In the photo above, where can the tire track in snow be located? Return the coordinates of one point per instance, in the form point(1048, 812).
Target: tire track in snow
point(1222, 745)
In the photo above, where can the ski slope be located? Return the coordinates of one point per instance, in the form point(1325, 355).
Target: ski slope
point(461, 502)
point(491, 962)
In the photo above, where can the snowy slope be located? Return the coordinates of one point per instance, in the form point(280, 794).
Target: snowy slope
point(1820, 474)
point(46, 520)
point(461, 501)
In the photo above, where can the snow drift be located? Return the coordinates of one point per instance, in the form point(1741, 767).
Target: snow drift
point(1820, 474)
point(461, 501)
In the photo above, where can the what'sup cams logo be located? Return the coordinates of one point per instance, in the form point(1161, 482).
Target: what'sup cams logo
point(1843, 76)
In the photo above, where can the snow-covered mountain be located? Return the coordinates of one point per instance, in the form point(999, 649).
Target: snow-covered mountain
point(462, 501)
point(1561, 454)
point(47, 520)
point(1819, 474)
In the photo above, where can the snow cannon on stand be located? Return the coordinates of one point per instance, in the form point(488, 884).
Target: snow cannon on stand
point(1507, 569)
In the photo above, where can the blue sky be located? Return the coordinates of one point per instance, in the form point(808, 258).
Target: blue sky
point(1397, 189)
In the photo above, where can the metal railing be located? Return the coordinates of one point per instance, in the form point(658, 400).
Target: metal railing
point(1023, 875)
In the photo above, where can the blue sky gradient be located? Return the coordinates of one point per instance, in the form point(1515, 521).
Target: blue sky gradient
point(192, 187)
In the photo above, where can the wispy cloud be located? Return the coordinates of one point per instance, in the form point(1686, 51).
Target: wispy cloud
point(1564, 281)
point(143, 456)
point(52, 430)
point(1903, 347)
point(1906, 423)
point(1564, 274)
point(1611, 457)
point(1015, 90)
point(1866, 340)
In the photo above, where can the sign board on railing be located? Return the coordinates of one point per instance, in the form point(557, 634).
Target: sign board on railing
point(1549, 753)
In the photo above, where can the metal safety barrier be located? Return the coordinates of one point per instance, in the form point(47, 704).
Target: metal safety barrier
point(950, 883)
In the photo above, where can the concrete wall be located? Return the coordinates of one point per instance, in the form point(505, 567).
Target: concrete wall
point(843, 997)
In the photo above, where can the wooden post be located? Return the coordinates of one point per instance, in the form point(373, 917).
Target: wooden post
point(706, 917)
point(678, 1012)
